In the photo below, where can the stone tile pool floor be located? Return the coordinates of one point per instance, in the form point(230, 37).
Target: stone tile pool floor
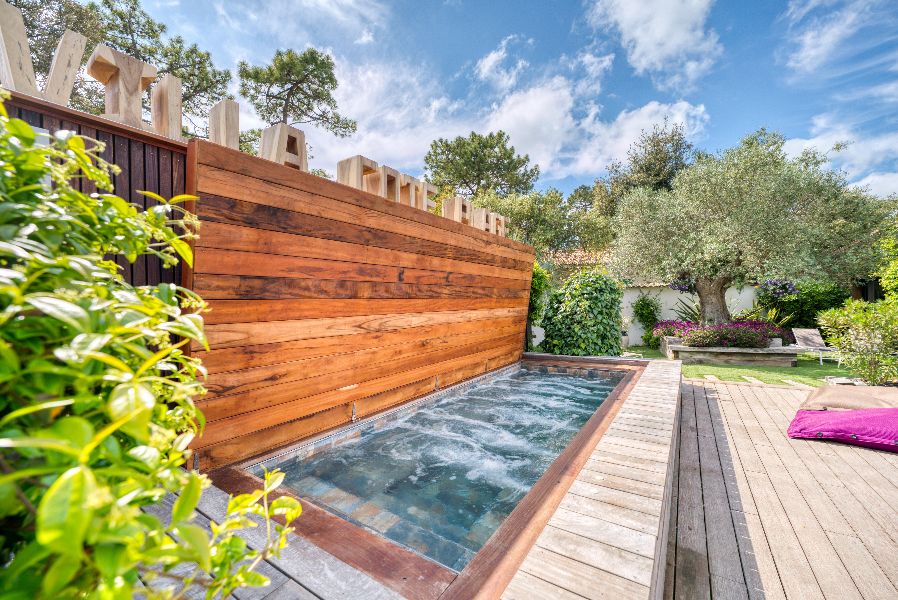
point(440, 480)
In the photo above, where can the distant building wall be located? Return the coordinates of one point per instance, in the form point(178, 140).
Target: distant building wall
point(737, 299)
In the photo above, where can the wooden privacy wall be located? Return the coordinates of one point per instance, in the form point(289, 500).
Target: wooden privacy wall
point(330, 303)
point(147, 161)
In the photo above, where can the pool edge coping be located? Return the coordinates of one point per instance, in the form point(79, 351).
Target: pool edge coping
point(660, 385)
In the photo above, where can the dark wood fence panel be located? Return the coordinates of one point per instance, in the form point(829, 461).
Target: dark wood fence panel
point(328, 303)
point(148, 162)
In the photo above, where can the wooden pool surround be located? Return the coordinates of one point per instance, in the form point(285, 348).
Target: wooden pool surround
point(493, 567)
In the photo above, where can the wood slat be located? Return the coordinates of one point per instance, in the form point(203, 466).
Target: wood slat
point(214, 182)
point(237, 212)
point(248, 239)
point(222, 158)
point(245, 357)
point(242, 334)
point(241, 287)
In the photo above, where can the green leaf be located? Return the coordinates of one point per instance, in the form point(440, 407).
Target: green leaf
point(63, 310)
point(110, 558)
point(287, 506)
point(183, 249)
point(243, 501)
point(21, 130)
point(128, 398)
point(64, 514)
point(60, 573)
point(198, 542)
point(273, 480)
point(76, 430)
point(187, 499)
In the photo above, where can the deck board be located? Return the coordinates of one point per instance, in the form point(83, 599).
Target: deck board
point(780, 518)
point(608, 539)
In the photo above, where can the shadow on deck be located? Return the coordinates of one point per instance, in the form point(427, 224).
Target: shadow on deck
point(761, 516)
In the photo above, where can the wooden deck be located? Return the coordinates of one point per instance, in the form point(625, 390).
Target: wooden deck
point(607, 539)
point(761, 516)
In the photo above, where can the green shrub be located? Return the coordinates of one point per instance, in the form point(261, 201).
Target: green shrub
point(725, 336)
point(866, 336)
point(96, 393)
point(804, 304)
point(540, 284)
point(647, 311)
point(583, 317)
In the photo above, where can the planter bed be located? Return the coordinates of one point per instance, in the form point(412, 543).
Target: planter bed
point(767, 357)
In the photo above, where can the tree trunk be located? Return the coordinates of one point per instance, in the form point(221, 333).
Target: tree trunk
point(712, 299)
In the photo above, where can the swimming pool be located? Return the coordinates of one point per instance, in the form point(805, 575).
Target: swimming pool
point(440, 476)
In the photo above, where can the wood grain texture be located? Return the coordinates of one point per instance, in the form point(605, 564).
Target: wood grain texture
point(329, 302)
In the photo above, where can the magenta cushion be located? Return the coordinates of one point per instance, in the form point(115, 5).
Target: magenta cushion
point(869, 427)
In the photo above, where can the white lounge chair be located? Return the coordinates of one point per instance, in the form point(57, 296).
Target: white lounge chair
point(812, 341)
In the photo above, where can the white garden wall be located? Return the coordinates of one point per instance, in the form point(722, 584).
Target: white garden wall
point(737, 299)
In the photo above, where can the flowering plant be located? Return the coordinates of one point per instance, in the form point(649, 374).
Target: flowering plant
point(779, 288)
point(687, 286)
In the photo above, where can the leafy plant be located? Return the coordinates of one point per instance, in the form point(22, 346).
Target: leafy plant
point(540, 284)
point(96, 393)
point(866, 336)
point(583, 317)
point(647, 311)
point(803, 301)
point(688, 311)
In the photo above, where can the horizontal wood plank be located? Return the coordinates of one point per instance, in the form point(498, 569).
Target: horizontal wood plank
point(232, 262)
point(328, 302)
point(216, 182)
point(238, 212)
point(213, 155)
point(249, 239)
point(237, 287)
point(258, 355)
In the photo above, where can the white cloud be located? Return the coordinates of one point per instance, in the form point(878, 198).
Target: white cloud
point(492, 68)
point(594, 68)
point(404, 109)
point(881, 184)
point(366, 38)
point(818, 39)
point(601, 142)
point(401, 112)
point(836, 38)
point(666, 39)
point(538, 121)
point(301, 22)
point(867, 159)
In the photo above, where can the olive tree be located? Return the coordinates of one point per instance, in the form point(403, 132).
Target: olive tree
point(748, 213)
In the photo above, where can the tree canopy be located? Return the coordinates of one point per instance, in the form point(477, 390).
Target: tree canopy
point(549, 222)
point(745, 215)
point(124, 26)
point(653, 161)
point(476, 164)
point(295, 88)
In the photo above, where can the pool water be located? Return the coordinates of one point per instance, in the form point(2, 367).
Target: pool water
point(441, 479)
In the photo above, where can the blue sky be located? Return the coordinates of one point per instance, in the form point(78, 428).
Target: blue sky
point(573, 83)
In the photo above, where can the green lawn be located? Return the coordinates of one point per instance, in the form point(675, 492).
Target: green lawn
point(808, 370)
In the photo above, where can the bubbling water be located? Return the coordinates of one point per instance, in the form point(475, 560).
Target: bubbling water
point(442, 479)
